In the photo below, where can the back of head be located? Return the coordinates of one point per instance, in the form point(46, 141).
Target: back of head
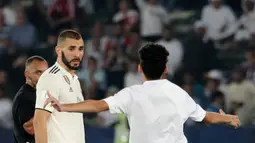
point(153, 59)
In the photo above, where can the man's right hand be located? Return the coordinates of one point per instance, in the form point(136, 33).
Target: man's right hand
point(233, 120)
point(54, 102)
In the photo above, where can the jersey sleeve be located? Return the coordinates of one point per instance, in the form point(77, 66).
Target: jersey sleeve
point(194, 111)
point(120, 102)
point(47, 83)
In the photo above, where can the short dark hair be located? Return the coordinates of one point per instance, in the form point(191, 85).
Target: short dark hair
point(153, 59)
point(34, 58)
point(69, 33)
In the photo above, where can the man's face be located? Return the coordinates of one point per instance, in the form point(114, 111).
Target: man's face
point(72, 53)
point(249, 5)
point(216, 3)
point(92, 65)
point(35, 70)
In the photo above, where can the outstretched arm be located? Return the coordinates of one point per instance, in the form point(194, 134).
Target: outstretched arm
point(222, 118)
point(87, 106)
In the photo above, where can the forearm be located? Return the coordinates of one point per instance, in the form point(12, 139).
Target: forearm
point(88, 106)
point(40, 130)
point(216, 118)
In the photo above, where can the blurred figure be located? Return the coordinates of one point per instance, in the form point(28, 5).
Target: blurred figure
point(132, 77)
point(4, 33)
point(249, 64)
point(246, 22)
point(5, 110)
point(129, 16)
point(93, 78)
point(194, 89)
point(153, 17)
point(96, 46)
point(62, 13)
point(105, 119)
point(200, 54)
point(135, 43)
point(174, 47)
point(220, 20)
point(22, 27)
point(217, 102)
point(214, 83)
point(239, 91)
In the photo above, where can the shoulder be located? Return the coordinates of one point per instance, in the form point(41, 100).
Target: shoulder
point(49, 77)
point(206, 8)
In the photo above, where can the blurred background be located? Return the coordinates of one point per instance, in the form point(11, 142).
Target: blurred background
point(211, 45)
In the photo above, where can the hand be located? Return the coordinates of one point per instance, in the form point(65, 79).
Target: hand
point(232, 120)
point(54, 102)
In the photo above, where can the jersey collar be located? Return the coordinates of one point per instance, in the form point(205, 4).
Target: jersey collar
point(65, 72)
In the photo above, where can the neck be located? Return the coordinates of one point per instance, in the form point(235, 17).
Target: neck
point(31, 84)
point(72, 72)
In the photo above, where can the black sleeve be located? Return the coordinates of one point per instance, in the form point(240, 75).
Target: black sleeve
point(26, 109)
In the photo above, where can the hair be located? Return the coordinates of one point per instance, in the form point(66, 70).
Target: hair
point(153, 59)
point(69, 33)
point(30, 60)
point(217, 95)
point(91, 58)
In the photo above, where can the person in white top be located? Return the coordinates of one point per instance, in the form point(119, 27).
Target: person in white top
point(130, 16)
point(51, 126)
point(157, 109)
point(153, 17)
point(220, 20)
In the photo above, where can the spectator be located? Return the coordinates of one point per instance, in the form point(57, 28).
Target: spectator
point(4, 31)
point(132, 77)
point(9, 14)
point(93, 78)
point(153, 17)
point(217, 102)
point(128, 15)
point(62, 12)
point(96, 46)
point(174, 47)
point(5, 110)
point(220, 20)
point(239, 91)
point(249, 65)
point(6, 85)
point(246, 22)
point(135, 43)
point(200, 54)
point(17, 32)
point(214, 83)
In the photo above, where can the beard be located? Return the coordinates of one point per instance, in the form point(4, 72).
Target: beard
point(68, 63)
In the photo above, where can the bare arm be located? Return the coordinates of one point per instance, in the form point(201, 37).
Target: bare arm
point(222, 118)
point(88, 106)
point(40, 125)
point(28, 126)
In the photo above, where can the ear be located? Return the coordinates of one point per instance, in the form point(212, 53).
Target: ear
point(26, 73)
point(58, 50)
point(140, 68)
point(166, 70)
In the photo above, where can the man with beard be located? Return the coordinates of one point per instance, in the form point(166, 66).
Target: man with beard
point(51, 126)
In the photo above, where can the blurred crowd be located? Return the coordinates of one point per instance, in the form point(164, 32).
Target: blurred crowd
point(211, 45)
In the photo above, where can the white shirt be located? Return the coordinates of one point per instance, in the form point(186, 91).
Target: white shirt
point(62, 127)
point(215, 19)
point(5, 116)
point(174, 47)
point(152, 18)
point(156, 111)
